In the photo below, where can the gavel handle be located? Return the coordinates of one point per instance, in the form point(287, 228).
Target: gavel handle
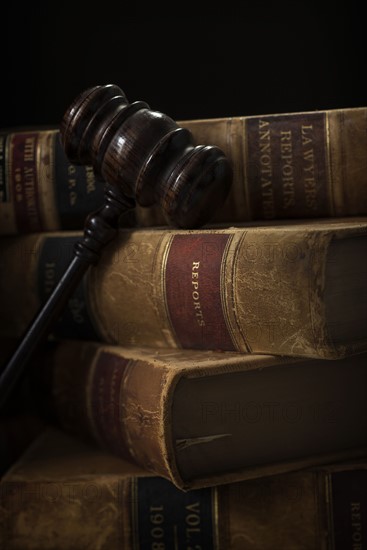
point(100, 228)
point(41, 325)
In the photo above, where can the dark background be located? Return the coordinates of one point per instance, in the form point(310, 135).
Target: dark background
point(199, 63)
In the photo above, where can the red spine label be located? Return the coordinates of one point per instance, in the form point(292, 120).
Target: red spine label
point(193, 291)
point(24, 181)
point(106, 401)
point(288, 166)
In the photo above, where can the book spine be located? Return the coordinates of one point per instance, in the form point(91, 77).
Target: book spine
point(40, 190)
point(149, 513)
point(98, 401)
point(44, 257)
point(292, 165)
point(258, 291)
point(234, 290)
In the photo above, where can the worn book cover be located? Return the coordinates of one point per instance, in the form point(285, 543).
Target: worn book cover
point(63, 494)
point(201, 418)
point(288, 288)
point(285, 165)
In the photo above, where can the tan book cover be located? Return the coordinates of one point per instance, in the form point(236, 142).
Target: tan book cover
point(287, 288)
point(288, 165)
point(63, 494)
point(285, 165)
point(201, 418)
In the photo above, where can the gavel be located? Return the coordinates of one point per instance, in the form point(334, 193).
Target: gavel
point(142, 157)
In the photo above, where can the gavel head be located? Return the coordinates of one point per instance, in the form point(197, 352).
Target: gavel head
point(147, 155)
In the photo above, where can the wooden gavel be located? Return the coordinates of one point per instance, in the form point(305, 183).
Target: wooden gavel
point(143, 157)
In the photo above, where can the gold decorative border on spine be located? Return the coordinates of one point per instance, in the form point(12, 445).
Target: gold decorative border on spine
point(215, 516)
point(331, 190)
point(227, 289)
point(134, 514)
point(89, 393)
point(160, 268)
point(46, 145)
point(245, 157)
point(328, 503)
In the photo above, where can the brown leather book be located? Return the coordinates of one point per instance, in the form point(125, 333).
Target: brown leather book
point(286, 165)
point(63, 494)
point(287, 288)
point(40, 190)
point(201, 418)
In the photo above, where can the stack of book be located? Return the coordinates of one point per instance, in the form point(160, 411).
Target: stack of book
point(204, 388)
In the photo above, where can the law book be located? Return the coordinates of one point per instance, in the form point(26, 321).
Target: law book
point(40, 189)
point(286, 165)
point(285, 288)
point(201, 418)
point(63, 493)
point(308, 164)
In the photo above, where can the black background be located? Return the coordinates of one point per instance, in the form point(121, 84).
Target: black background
point(201, 62)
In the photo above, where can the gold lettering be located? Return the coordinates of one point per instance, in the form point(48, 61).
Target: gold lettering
point(91, 179)
point(310, 184)
point(30, 196)
point(265, 168)
point(265, 183)
point(192, 519)
point(195, 507)
point(285, 148)
point(309, 156)
point(29, 149)
point(156, 518)
point(286, 157)
point(306, 139)
point(263, 123)
point(196, 295)
point(311, 193)
point(285, 135)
